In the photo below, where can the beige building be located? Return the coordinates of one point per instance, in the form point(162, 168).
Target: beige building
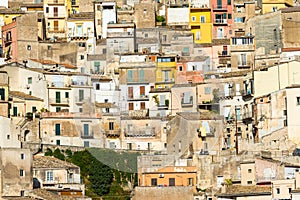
point(183, 98)
point(15, 172)
point(56, 175)
point(72, 129)
point(192, 133)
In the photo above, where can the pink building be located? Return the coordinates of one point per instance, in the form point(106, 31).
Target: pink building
point(192, 71)
point(9, 42)
point(222, 18)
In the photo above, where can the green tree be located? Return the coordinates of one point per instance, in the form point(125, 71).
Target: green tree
point(58, 154)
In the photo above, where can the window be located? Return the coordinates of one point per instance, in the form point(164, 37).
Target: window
point(22, 156)
point(58, 109)
point(111, 126)
point(190, 181)
point(80, 110)
point(22, 193)
point(97, 86)
point(29, 80)
point(86, 130)
point(86, 144)
point(129, 76)
point(73, 2)
point(22, 172)
point(129, 146)
point(97, 66)
point(143, 106)
point(81, 57)
point(243, 60)
point(47, 9)
point(57, 97)
point(180, 68)
point(198, 35)
point(202, 19)
point(290, 190)
point(249, 182)
point(130, 92)
point(55, 10)
point(298, 101)
point(8, 137)
point(277, 190)
point(57, 142)
point(229, 2)
point(99, 21)
point(28, 47)
point(193, 18)
point(33, 108)
point(141, 75)
point(164, 38)
point(66, 95)
point(57, 129)
point(49, 47)
point(49, 176)
point(146, 35)
point(171, 181)
point(15, 111)
point(249, 170)
point(207, 90)
point(130, 105)
point(142, 91)
point(153, 181)
point(229, 16)
point(81, 95)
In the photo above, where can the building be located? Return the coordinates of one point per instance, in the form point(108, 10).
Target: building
point(57, 176)
point(165, 73)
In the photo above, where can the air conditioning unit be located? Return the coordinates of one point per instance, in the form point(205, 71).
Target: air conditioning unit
point(161, 175)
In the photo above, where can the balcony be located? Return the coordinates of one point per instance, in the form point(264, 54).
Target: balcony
point(61, 101)
point(87, 135)
point(247, 117)
point(112, 133)
point(147, 132)
point(247, 94)
point(220, 22)
point(244, 65)
point(80, 83)
point(220, 8)
point(187, 103)
point(7, 41)
point(56, 2)
point(79, 100)
point(227, 95)
point(138, 98)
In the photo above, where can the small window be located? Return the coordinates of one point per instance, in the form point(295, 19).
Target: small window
point(153, 182)
point(81, 57)
point(249, 182)
point(22, 156)
point(29, 80)
point(58, 109)
point(202, 19)
point(229, 16)
point(49, 47)
point(57, 142)
point(277, 190)
point(180, 68)
point(22, 193)
point(249, 170)
point(193, 18)
point(80, 110)
point(97, 86)
point(146, 35)
point(290, 190)
point(67, 95)
point(86, 144)
point(22, 172)
point(28, 47)
point(298, 101)
point(47, 9)
point(8, 137)
point(111, 126)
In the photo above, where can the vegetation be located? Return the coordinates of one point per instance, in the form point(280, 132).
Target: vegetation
point(160, 18)
point(106, 173)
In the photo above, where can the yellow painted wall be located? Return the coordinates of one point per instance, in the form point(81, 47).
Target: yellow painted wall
point(7, 18)
point(205, 28)
point(159, 77)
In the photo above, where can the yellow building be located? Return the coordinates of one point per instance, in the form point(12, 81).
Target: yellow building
point(274, 5)
point(73, 6)
point(170, 176)
point(200, 24)
point(165, 72)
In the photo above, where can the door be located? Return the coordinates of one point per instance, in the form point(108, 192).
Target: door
point(79, 30)
point(142, 91)
point(171, 181)
point(2, 94)
point(55, 11)
point(85, 129)
point(130, 106)
point(55, 23)
point(15, 111)
point(130, 92)
point(57, 129)
point(57, 97)
point(81, 95)
point(143, 106)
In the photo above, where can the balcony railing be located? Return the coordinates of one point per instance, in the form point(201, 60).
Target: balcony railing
point(220, 7)
point(59, 101)
point(81, 100)
point(89, 135)
point(220, 21)
point(112, 133)
point(56, 1)
point(188, 103)
point(138, 98)
point(147, 132)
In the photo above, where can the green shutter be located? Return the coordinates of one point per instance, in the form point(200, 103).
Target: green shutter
point(224, 15)
point(57, 129)
point(141, 73)
point(57, 97)
point(129, 76)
